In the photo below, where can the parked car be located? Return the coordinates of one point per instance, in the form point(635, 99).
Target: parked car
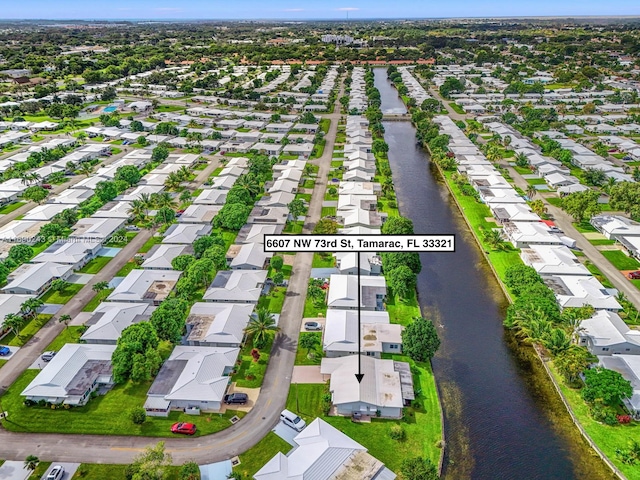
point(4, 351)
point(131, 228)
point(312, 326)
point(634, 275)
point(47, 186)
point(183, 428)
point(48, 356)
point(292, 420)
point(56, 473)
point(236, 398)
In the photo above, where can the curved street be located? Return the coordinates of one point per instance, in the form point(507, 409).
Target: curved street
point(211, 448)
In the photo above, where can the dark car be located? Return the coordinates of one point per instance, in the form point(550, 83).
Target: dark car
point(47, 186)
point(4, 351)
point(184, 428)
point(634, 275)
point(236, 398)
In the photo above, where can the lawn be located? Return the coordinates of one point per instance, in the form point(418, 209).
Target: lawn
point(28, 331)
point(250, 374)
point(126, 269)
point(148, 245)
point(128, 237)
point(403, 311)
point(323, 260)
point(68, 335)
point(274, 300)
point(536, 181)
point(301, 353)
point(95, 471)
point(421, 424)
point(97, 298)
point(62, 296)
point(104, 415)
point(313, 310)
point(329, 211)
point(456, 108)
point(555, 201)
point(293, 227)
point(584, 227)
point(601, 241)
point(95, 265)
point(11, 207)
point(608, 438)
point(40, 470)
point(595, 271)
point(255, 458)
point(621, 261)
point(325, 123)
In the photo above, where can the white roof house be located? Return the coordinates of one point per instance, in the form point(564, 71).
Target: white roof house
point(138, 191)
point(160, 256)
point(224, 183)
point(524, 234)
point(192, 377)
point(513, 212)
point(324, 452)
point(143, 285)
point(347, 263)
point(577, 291)
point(199, 213)
point(210, 196)
point(10, 303)
point(613, 226)
point(217, 324)
point(71, 376)
point(109, 319)
point(76, 254)
point(254, 233)
point(605, 333)
point(552, 260)
point(36, 278)
point(248, 256)
point(45, 212)
point(276, 199)
point(629, 367)
point(236, 286)
point(377, 335)
point(20, 231)
point(380, 389)
point(96, 229)
point(343, 292)
point(71, 196)
point(114, 210)
point(185, 233)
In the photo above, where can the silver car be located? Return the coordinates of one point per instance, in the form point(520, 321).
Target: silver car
point(56, 473)
point(312, 326)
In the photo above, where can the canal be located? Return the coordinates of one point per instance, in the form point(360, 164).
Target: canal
point(503, 420)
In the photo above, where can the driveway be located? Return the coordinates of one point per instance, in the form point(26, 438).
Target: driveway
point(307, 374)
point(69, 470)
point(14, 471)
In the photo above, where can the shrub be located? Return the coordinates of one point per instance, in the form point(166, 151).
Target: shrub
point(396, 432)
point(624, 419)
point(138, 415)
point(326, 403)
point(604, 414)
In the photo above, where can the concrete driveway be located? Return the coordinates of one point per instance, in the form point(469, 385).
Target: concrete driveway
point(320, 320)
point(13, 350)
point(69, 470)
point(14, 471)
point(307, 374)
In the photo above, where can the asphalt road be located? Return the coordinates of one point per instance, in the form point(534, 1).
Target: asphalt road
point(232, 441)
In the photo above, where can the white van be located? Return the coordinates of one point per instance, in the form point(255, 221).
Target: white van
point(292, 420)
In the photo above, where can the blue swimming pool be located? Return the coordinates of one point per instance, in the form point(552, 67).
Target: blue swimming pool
point(110, 109)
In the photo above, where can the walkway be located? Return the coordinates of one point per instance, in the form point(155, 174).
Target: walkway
point(237, 438)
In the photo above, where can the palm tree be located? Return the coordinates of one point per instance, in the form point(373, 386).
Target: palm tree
point(309, 341)
point(531, 191)
point(31, 306)
point(99, 286)
point(148, 202)
point(556, 341)
point(538, 207)
point(31, 462)
point(85, 169)
point(493, 153)
point(13, 322)
point(173, 181)
point(260, 327)
point(184, 173)
point(164, 199)
point(521, 159)
point(66, 318)
point(138, 210)
point(249, 183)
point(493, 238)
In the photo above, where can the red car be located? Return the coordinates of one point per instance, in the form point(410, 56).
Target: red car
point(634, 275)
point(184, 428)
point(47, 186)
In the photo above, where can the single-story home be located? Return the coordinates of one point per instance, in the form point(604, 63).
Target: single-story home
point(76, 254)
point(72, 375)
point(36, 278)
point(210, 196)
point(193, 379)
point(248, 256)
point(217, 324)
point(185, 233)
point(605, 333)
point(199, 213)
point(97, 229)
point(347, 263)
point(578, 291)
point(160, 256)
point(236, 286)
point(254, 233)
point(343, 292)
point(552, 260)
point(109, 319)
point(143, 285)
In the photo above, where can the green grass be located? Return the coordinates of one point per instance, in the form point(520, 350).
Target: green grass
point(40, 470)
point(608, 438)
point(329, 211)
point(63, 296)
point(148, 245)
point(95, 471)
point(601, 241)
point(312, 310)
point(28, 331)
point(304, 196)
point(274, 300)
point(70, 334)
point(128, 237)
point(255, 458)
point(104, 415)
point(301, 353)
point(126, 269)
point(456, 108)
point(11, 207)
point(249, 374)
point(325, 123)
point(403, 311)
point(293, 227)
point(95, 265)
point(422, 424)
point(621, 261)
point(318, 149)
point(522, 170)
point(323, 260)
point(536, 181)
point(595, 271)
point(584, 227)
point(97, 298)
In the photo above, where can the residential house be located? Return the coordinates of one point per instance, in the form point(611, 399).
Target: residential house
point(383, 388)
point(114, 210)
point(347, 263)
point(605, 333)
point(217, 324)
point(194, 379)
point(277, 199)
point(552, 260)
point(523, 234)
point(199, 213)
point(614, 226)
point(185, 233)
point(210, 196)
point(629, 367)
point(45, 212)
point(36, 278)
point(343, 292)
point(72, 375)
point(254, 233)
point(96, 229)
point(76, 254)
point(578, 291)
point(109, 319)
point(160, 256)
point(236, 286)
point(268, 215)
point(248, 256)
point(144, 285)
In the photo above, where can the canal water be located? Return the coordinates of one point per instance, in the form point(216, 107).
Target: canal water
point(503, 420)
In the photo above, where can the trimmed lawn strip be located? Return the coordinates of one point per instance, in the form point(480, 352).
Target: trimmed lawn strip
point(256, 457)
point(323, 260)
point(601, 241)
point(97, 298)
point(68, 335)
point(621, 261)
point(421, 424)
point(274, 300)
point(11, 207)
point(28, 331)
point(403, 311)
point(608, 438)
point(584, 227)
point(311, 310)
point(301, 353)
point(63, 296)
point(40, 470)
point(249, 374)
point(95, 265)
point(126, 268)
point(148, 245)
point(103, 415)
point(95, 471)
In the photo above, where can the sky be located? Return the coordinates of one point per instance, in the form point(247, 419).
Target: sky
point(305, 9)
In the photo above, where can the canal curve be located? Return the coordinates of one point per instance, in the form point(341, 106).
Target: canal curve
point(503, 420)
